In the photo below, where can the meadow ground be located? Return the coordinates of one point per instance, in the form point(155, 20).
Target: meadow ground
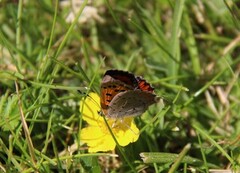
point(53, 53)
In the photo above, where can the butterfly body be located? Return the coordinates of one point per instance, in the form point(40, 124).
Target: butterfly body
point(123, 94)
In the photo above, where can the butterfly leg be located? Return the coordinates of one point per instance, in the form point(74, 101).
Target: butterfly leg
point(114, 123)
point(128, 126)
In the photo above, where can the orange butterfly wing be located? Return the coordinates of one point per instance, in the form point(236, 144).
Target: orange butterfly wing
point(114, 82)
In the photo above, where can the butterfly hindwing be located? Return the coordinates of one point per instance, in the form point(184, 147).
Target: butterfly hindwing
point(130, 103)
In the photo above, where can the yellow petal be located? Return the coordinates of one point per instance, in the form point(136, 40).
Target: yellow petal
point(127, 135)
point(97, 135)
point(107, 144)
point(96, 139)
point(90, 108)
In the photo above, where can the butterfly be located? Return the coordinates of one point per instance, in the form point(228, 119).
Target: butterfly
point(123, 94)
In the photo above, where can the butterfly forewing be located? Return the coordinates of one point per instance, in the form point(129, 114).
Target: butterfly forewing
point(110, 87)
point(144, 85)
point(123, 76)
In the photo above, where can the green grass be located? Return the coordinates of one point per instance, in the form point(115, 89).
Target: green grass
point(188, 50)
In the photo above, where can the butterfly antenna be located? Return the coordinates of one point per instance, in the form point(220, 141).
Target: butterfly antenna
point(94, 102)
point(83, 92)
point(87, 95)
point(129, 127)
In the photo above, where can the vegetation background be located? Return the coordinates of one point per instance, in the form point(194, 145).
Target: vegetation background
point(188, 50)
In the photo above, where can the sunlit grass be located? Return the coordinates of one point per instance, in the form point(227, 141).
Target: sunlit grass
point(188, 50)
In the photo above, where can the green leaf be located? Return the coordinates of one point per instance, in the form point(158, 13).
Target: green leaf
point(9, 112)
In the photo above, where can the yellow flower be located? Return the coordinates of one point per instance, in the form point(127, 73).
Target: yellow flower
point(97, 135)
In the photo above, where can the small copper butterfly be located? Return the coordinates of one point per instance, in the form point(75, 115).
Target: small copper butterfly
point(124, 95)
